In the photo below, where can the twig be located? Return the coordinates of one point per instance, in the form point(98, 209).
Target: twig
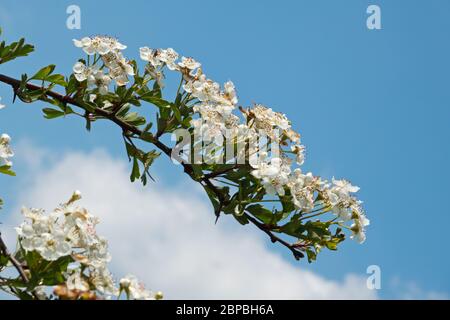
point(15, 263)
point(297, 254)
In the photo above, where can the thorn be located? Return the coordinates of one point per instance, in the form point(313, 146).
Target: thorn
point(15, 95)
point(217, 218)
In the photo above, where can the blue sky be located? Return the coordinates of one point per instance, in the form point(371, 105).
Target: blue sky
point(372, 105)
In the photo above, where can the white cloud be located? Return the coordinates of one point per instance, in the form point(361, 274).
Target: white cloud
point(167, 237)
point(409, 290)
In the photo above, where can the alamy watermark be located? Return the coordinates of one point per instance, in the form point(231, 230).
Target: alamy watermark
point(373, 281)
point(73, 21)
point(374, 20)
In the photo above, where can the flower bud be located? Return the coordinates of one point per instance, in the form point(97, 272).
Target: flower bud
point(159, 295)
point(5, 139)
point(125, 283)
point(75, 197)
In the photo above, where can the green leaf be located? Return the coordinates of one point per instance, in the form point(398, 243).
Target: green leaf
point(311, 255)
point(5, 169)
point(24, 295)
point(293, 228)
point(14, 50)
point(43, 73)
point(57, 79)
point(317, 228)
point(286, 202)
point(147, 127)
point(147, 136)
point(3, 261)
point(332, 245)
point(50, 113)
point(263, 214)
point(160, 103)
point(212, 197)
point(241, 219)
point(157, 89)
point(135, 174)
point(176, 112)
point(134, 119)
point(238, 174)
point(72, 85)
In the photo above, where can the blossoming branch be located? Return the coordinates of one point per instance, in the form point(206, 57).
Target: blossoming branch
point(260, 182)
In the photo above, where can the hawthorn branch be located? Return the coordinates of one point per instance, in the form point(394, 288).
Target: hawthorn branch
point(15, 84)
point(126, 127)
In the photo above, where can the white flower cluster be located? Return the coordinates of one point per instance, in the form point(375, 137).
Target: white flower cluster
point(6, 152)
point(1, 105)
point(70, 231)
point(215, 107)
point(109, 49)
point(347, 207)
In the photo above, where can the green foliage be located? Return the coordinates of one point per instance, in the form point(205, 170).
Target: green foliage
point(45, 74)
point(14, 50)
point(263, 214)
point(139, 157)
point(5, 169)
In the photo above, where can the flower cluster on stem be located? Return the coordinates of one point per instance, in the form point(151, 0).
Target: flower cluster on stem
point(67, 237)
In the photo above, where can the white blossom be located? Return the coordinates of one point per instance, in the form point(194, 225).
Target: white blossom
point(100, 80)
point(189, 63)
point(52, 246)
point(302, 187)
point(6, 152)
point(169, 56)
point(1, 105)
point(119, 67)
point(274, 175)
point(359, 228)
point(293, 136)
point(151, 56)
point(343, 187)
point(135, 289)
point(81, 72)
point(268, 122)
point(299, 151)
point(110, 51)
point(94, 77)
point(44, 235)
point(75, 281)
point(209, 92)
point(103, 281)
point(265, 168)
point(230, 92)
point(99, 44)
